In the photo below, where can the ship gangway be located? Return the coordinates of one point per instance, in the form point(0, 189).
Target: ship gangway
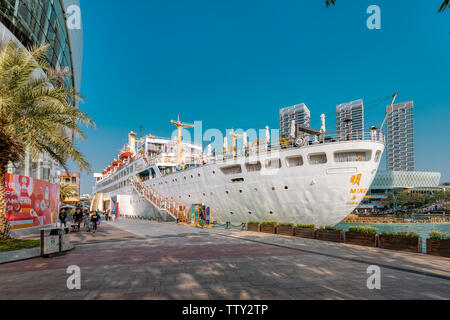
point(159, 201)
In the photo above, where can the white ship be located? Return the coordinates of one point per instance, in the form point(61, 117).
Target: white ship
point(315, 178)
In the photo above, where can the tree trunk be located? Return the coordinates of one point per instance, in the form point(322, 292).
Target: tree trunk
point(4, 226)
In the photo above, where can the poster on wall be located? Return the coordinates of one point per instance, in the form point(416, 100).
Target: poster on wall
point(30, 202)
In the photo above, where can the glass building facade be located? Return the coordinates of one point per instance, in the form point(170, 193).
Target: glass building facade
point(42, 22)
point(354, 111)
point(400, 137)
point(300, 113)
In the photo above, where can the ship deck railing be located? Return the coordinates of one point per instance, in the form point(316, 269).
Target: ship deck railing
point(260, 149)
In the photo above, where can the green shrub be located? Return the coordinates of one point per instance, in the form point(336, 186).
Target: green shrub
point(306, 226)
point(436, 235)
point(401, 234)
point(285, 224)
point(330, 228)
point(269, 223)
point(363, 230)
point(253, 222)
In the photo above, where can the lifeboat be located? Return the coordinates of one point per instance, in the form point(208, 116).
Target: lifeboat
point(125, 155)
point(105, 172)
point(116, 163)
point(110, 168)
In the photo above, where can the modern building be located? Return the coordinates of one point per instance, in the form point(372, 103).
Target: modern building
point(400, 137)
point(299, 113)
point(71, 179)
point(53, 22)
point(397, 181)
point(353, 111)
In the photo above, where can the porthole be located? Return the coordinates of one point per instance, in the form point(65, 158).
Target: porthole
point(271, 212)
point(249, 212)
point(231, 212)
point(214, 172)
point(184, 178)
point(192, 177)
point(226, 192)
point(256, 189)
point(273, 188)
point(204, 194)
point(240, 191)
point(286, 188)
point(199, 174)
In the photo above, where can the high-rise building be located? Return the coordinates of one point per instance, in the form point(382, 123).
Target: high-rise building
point(300, 113)
point(400, 137)
point(353, 111)
point(58, 24)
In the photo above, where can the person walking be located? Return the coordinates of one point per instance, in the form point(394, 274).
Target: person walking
point(107, 215)
point(202, 217)
point(95, 218)
point(62, 218)
point(78, 217)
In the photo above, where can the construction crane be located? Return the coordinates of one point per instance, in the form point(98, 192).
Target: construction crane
point(235, 136)
point(180, 126)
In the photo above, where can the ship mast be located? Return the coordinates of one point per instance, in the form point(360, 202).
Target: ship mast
point(234, 135)
point(180, 126)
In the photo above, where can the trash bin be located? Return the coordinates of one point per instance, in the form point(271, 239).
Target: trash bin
point(55, 241)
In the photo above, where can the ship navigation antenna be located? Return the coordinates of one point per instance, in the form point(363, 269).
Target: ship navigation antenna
point(180, 126)
point(394, 97)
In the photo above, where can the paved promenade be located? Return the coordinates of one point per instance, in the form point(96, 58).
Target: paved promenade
point(142, 260)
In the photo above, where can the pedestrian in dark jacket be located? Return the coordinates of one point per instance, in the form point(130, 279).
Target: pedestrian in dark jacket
point(62, 218)
point(94, 219)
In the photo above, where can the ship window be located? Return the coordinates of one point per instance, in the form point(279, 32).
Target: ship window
point(295, 161)
point(317, 158)
point(253, 167)
point(273, 163)
point(352, 156)
point(378, 156)
point(234, 169)
point(237, 180)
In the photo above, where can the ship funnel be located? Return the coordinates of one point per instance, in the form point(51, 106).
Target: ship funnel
point(132, 142)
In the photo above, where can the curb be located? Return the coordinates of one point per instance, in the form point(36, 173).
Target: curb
point(19, 255)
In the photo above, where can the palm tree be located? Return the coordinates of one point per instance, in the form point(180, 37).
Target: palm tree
point(66, 192)
point(36, 113)
point(444, 5)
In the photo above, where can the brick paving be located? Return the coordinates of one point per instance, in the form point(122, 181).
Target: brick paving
point(143, 260)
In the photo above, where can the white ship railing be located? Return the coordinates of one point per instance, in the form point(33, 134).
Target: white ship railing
point(157, 199)
point(260, 148)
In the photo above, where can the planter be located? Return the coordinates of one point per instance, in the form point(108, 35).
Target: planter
point(361, 239)
point(285, 230)
point(255, 227)
point(265, 228)
point(305, 233)
point(438, 247)
point(400, 243)
point(330, 235)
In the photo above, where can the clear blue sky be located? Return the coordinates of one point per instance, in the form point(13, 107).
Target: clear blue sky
point(235, 63)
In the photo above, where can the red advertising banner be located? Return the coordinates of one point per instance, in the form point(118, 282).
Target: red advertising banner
point(30, 202)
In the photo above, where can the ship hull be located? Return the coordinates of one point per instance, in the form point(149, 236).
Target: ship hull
point(320, 194)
